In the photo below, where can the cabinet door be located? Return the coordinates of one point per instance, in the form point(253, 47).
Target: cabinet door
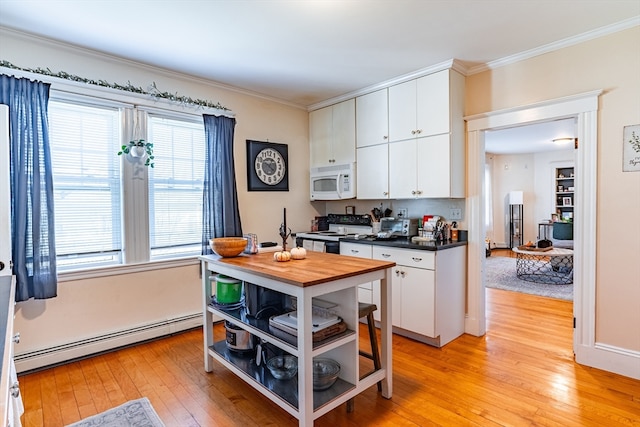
point(402, 111)
point(372, 118)
point(372, 172)
point(402, 169)
point(434, 172)
point(418, 300)
point(433, 104)
point(343, 145)
point(320, 129)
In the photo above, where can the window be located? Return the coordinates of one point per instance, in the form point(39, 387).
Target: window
point(86, 177)
point(175, 187)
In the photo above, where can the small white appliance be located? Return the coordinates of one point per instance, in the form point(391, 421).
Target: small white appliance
point(334, 182)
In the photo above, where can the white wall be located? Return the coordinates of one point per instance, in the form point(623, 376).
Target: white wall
point(105, 305)
point(534, 175)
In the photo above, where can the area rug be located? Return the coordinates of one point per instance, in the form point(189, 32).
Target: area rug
point(138, 413)
point(501, 274)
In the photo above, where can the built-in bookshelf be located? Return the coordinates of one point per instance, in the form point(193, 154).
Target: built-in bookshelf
point(564, 192)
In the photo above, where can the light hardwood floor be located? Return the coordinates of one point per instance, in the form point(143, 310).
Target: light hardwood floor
point(521, 373)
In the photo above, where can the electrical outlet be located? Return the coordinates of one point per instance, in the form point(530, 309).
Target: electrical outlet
point(403, 213)
point(455, 214)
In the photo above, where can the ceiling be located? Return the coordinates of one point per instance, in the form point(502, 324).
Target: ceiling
point(305, 52)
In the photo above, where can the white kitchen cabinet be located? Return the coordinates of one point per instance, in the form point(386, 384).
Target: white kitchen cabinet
point(332, 134)
point(425, 106)
point(426, 150)
point(428, 299)
point(372, 172)
point(372, 118)
point(430, 167)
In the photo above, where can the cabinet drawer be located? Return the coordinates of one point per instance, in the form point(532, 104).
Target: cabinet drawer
point(418, 259)
point(356, 250)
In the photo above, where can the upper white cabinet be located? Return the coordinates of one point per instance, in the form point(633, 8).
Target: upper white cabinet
point(332, 134)
point(372, 172)
point(372, 119)
point(426, 137)
point(422, 107)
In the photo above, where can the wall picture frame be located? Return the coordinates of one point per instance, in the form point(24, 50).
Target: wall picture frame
point(631, 148)
point(267, 166)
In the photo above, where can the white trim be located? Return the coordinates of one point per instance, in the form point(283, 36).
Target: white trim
point(453, 64)
point(557, 45)
point(120, 269)
point(610, 358)
point(585, 108)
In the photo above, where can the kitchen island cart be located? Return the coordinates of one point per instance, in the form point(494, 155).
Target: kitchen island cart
point(320, 278)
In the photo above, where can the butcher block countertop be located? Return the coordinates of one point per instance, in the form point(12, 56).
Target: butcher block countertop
point(315, 269)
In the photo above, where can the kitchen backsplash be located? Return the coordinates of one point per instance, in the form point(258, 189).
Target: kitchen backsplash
point(416, 208)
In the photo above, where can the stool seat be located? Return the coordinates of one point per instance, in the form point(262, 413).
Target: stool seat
point(364, 309)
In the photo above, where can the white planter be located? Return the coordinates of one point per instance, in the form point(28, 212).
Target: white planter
point(137, 151)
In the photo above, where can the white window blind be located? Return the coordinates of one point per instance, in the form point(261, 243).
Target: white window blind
point(175, 187)
point(86, 175)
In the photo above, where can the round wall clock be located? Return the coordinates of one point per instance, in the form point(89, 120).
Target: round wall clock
point(267, 166)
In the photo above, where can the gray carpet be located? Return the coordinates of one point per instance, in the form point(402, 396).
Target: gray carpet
point(501, 274)
point(138, 413)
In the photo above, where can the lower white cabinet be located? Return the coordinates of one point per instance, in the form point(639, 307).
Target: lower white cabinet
point(428, 290)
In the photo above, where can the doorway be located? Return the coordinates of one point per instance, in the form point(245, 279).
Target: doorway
point(583, 108)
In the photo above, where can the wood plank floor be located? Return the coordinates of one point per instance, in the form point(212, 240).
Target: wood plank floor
point(521, 373)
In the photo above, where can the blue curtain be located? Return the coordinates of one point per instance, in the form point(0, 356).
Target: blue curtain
point(32, 217)
point(220, 212)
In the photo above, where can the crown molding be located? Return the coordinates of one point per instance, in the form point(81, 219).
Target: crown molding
point(453, 64)
point(560, 44)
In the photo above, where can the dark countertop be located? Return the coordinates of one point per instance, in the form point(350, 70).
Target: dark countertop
point(405, 243)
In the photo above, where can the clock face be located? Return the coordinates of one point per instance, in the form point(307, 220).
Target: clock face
point(269, 166)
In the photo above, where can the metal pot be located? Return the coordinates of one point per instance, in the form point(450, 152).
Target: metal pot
point(238, 339)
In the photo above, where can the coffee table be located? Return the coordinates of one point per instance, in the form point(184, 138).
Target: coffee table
point(554, 266)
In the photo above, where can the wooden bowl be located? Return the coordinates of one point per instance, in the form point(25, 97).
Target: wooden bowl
point(228, 247)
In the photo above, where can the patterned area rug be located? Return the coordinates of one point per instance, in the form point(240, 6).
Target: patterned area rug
point(137, 413)
point(501, 274)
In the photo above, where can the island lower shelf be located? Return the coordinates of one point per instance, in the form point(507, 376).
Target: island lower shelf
point(260, 378)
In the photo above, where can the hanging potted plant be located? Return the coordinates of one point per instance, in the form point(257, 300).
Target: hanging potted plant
point(139, 148)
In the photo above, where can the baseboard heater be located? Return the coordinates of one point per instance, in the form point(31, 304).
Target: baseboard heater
point(73, 350)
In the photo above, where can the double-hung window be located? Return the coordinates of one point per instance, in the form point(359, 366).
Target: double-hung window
point(175, 187)
point(86, 178)
point(112, 210)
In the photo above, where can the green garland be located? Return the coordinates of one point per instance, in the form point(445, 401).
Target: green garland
point(154, 92)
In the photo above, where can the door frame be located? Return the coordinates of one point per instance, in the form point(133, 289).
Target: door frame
point(584, 108)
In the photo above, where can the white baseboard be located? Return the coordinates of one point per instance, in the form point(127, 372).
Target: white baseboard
point(611, 359)
point(65, 352)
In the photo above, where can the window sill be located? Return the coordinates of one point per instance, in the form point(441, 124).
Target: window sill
point(125, 269)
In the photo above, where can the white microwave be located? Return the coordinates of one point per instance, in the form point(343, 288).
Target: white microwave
point(333, 182)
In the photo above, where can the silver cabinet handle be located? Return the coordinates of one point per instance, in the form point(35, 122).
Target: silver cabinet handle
point(416, 259)
point(385, 137)
point(16, 338)
point(15, 389)
point(385, 193)
point(397, 272)
point(402, 273)
point(413, 192)
point(354, 251)
point(386, 255)
point(419, 131)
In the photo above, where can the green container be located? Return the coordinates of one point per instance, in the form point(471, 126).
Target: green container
point(228, 290)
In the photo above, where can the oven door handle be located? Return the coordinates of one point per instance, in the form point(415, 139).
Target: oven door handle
point(338, 186)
